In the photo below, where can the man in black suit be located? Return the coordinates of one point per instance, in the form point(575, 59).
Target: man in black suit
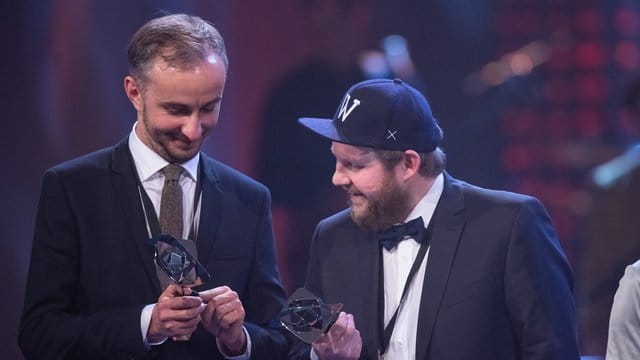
point(485, 277)
point(93, 290)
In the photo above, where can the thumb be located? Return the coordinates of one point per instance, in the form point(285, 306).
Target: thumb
point(172, 291)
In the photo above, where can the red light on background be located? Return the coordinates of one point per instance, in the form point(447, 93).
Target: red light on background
point(590, 54)
point(627, 56)
point(627, 22)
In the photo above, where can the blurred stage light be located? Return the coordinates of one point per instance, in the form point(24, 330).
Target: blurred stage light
point(520, 62)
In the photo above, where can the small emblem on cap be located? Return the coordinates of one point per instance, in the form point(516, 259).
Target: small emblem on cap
point(344, 113)
point(392, 135)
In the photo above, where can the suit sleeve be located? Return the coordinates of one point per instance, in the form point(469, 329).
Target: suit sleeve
point(51, 326)
point(265, 296)
point(538, 288)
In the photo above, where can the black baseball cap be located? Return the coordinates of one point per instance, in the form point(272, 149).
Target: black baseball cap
point(381, 114)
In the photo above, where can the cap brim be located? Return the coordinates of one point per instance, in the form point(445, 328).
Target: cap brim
point(322, 127)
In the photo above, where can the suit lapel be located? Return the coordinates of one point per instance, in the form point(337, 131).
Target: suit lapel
point(448, 224)
point(125, 186)
point(211, 209)
point(367, 258)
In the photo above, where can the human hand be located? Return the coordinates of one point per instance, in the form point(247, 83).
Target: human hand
point(341, 342)
point(223, 317)
point(176, 314)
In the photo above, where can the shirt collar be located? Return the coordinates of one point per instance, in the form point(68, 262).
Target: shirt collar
point(427, 205)
point(148, 162)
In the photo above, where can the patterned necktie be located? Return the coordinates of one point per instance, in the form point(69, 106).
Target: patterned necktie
point(170, 214)
point(391, 237)
point(171, 202)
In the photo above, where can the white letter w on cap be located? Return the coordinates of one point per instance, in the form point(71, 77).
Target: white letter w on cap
point(344, 113)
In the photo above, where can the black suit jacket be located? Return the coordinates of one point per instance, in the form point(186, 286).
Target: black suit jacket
point(497, 285)
point(91, 273)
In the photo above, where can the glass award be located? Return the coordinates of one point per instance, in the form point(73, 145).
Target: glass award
point(307, 317)
point(177, 262)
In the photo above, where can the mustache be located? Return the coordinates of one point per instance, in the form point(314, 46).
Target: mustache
point(178, 135)
point(351, 190)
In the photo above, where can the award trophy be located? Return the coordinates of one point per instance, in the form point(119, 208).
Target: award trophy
point(307, 317)
point(178, 263)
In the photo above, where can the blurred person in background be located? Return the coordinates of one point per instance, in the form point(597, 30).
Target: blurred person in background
point(624, 323)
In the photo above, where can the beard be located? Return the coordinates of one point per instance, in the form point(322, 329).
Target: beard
point(160, 141)
point(385, 207)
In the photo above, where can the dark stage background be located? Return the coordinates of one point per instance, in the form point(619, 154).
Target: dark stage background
point(525, 90)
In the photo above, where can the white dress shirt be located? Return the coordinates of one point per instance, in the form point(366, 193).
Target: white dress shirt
point(396, 264)
point(149, 165)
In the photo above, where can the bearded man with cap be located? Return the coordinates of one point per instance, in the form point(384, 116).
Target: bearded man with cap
point(480, 275)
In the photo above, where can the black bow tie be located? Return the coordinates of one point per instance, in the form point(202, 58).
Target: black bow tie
point(391, 237)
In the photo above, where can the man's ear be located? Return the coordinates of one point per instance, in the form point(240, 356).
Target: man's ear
point(134, 92)
point(411, 162)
